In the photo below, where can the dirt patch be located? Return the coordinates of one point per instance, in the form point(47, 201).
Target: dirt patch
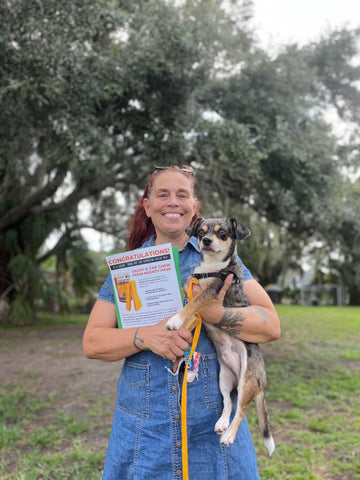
point(51, 360)
point(49, 363)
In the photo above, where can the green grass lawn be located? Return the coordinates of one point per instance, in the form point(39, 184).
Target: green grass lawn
point(313, 395)
point(313, 399)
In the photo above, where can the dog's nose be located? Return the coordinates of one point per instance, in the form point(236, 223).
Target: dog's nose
point(206, 241)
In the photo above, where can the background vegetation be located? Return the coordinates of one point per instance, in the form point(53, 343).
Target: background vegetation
point(55, 414)
point(94, 93)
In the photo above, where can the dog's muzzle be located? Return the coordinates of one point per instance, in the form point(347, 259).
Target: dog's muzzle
point(206, 241)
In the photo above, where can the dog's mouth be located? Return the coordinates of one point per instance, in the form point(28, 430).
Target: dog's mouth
point(209, 249)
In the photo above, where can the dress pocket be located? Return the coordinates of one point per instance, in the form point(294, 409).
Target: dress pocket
point(213, 398)
point(133, 394)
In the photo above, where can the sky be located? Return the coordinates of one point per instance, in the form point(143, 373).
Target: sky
point(301, 21)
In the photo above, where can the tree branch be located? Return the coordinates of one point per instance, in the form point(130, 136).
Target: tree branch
point(13, 216)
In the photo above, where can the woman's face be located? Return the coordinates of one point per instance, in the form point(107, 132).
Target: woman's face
point(171, 205)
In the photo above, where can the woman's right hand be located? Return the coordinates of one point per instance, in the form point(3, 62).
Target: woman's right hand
point(169, 344)
point(104, 341)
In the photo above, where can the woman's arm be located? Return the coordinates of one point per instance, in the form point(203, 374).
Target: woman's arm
point(258, 323)
point(104, 341)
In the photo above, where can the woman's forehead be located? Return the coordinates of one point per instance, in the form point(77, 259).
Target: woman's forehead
point(170, 179)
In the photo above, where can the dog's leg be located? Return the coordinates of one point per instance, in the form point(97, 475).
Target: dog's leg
point(239, 365)
point(205, 298)
point(247, 391)
point(264, 424)
point(226, 384)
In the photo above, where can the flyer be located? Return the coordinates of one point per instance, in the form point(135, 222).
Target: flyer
point(146, 284)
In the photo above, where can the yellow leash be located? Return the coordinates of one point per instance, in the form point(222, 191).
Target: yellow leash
point(184, 443)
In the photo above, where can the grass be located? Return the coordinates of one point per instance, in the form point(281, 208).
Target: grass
point(313, 398)
point(55, 449)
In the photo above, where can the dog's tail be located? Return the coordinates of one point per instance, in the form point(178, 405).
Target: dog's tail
point(264, 424)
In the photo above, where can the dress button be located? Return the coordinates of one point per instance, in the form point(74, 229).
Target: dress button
point(173, 388)
point(178, 473)
point(177, 417)
point(178, 444)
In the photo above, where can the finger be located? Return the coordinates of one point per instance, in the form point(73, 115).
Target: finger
point(185, 334)
point(196, 289)
point(226, 286)
point(174, 354)
point(187, 285)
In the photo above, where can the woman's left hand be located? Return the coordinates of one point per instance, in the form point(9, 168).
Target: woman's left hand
point(215, 311)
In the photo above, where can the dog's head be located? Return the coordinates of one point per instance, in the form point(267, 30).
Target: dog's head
point(217, 235)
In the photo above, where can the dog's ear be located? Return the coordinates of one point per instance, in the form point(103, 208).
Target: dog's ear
point(192, 229)
point(241, 231)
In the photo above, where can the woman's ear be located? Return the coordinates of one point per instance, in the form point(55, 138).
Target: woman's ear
point(146, 205)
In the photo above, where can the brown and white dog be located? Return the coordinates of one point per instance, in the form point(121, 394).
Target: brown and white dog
point(241, 363)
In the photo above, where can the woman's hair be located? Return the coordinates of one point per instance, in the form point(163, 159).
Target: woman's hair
point(140, 226)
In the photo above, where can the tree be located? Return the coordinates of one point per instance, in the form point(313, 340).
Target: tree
point(81, 107)
point(340, 254)
point(279, 154)
point(93, 94)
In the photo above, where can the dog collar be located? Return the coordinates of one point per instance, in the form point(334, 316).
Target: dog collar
point(222, 276)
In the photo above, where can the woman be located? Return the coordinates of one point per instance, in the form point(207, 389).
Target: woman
point(145, 440)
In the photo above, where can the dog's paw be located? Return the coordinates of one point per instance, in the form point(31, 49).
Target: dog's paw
point(174, 323)
point(227, 438)
point(221, 425)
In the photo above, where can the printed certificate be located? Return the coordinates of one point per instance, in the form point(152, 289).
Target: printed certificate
point(146, 284)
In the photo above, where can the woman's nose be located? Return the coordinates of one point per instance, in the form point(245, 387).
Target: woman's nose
point(173, 200)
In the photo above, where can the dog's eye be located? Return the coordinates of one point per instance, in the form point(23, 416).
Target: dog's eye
point(222, 234)
point(201, 233)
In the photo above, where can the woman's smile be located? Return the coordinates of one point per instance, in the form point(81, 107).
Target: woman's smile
point(171, 206)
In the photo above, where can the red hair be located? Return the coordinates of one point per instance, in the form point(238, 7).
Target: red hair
point(140, 226)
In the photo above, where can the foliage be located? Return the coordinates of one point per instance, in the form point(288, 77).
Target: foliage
point(94, 93)
point(340, 259)
point(289, 165)
point(88, 91)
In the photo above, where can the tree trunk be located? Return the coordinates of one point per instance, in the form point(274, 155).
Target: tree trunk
point(354, 293)
point(6, 283)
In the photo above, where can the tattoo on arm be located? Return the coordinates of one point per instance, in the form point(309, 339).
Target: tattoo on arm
point(233, 319)
point(136, 338)
point(263, 313)
point(231, 322)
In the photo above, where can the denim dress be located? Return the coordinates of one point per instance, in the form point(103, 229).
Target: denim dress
point(145, 440)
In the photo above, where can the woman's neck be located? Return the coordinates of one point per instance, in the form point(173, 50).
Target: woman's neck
point(176, 241)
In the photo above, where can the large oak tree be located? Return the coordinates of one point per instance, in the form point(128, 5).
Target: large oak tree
point(94, 93)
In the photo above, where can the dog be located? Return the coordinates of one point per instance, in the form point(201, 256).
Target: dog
point(241, 363)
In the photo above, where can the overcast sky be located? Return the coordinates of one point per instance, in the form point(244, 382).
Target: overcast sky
point(301, 21)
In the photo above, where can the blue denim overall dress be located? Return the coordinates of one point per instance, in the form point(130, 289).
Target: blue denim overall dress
point(145, 440)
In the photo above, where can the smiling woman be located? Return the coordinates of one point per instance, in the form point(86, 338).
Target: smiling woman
point(145, 440)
